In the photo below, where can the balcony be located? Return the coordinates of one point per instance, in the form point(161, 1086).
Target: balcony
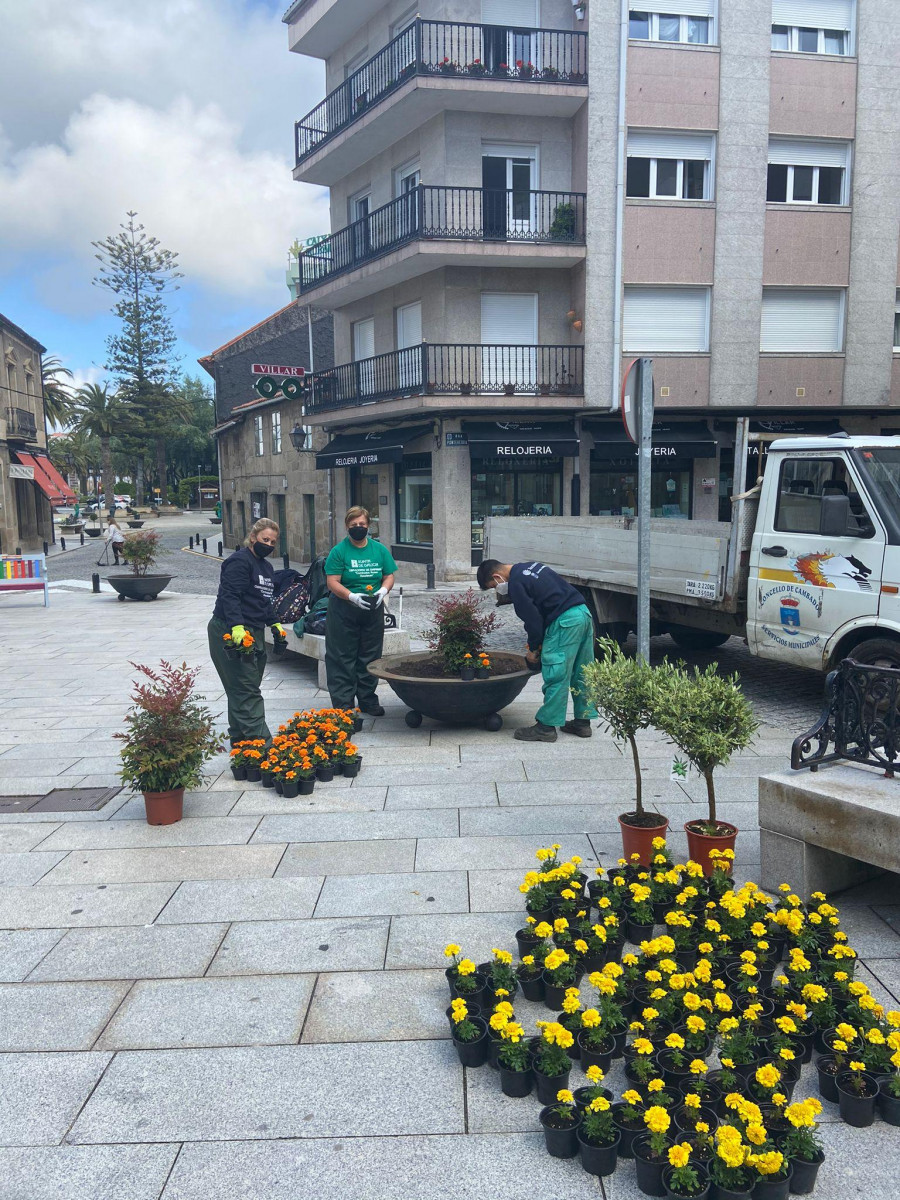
point(432, 65)
point(20, 423)
point(437, 370)
point(515, 228)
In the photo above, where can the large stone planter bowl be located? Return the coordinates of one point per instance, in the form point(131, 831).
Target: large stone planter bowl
point(451, 701)
point(139, 587)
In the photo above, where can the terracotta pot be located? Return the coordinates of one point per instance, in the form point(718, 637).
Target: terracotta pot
point(638, 839)
point(700, 844)
point(164, 808)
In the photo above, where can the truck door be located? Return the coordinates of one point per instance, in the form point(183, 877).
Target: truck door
point(805, 584)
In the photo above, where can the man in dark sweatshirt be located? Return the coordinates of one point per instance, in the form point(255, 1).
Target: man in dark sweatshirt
point(560, 635)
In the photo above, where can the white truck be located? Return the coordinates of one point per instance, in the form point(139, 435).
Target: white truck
point(807, 572)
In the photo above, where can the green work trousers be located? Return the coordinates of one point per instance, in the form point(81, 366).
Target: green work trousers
point(353, 639)
point(568, 646)
point(241, 677)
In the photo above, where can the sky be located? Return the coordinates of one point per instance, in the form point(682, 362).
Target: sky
point(181, 110)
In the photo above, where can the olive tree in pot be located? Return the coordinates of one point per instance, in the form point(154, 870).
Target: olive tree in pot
point(708, 718)
point(620, 688)
point(170, 736)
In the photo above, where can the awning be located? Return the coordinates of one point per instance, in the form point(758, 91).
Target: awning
point(44, 481)
point(792, 428)
point(687, 439)
point(368, 449)
point(521, 439)
point(55, 478)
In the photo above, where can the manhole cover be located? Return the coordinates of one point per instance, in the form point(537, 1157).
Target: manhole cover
point(74, 799)
point(14, 804)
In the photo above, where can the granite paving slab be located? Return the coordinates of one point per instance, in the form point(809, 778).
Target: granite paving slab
point(274, 1092)
point(86, 1172)
point(242, 900)
point(282, 947)
point(167, 863)
point(41, 1094)
point(450, 795)
point(354, 827)
point(78, 905)
point(23, 870)
point(63, 763)
point(266, 803)
point(119, 834)
point(22, 949)
point(56, 1016)
point(488, 853)
point(196, 804)
point(490, 770)
point(375, 1006)
point(420, 941)
point(494, 891)
point(556, 816)
point(386, 895)
point(489, 1111)
point(18, 839)
point(147, 952)
point(347, 858)
point(162, 1014)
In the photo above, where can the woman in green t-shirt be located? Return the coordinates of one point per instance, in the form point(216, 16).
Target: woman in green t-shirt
point(360, 573)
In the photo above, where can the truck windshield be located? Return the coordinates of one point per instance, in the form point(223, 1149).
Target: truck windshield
point(881, 466)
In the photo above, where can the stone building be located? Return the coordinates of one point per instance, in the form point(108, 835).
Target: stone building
point(28, 481)
point(261, 472)
point(498, 257)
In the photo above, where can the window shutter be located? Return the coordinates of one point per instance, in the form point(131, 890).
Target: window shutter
point(508, 320)
point(666, 319)
point(814, 14)
point(518, 13)
point(364, 339)
point(681, 8)
point(791, 153)
point(409, 325)
point(648, 143)
point(801, 321)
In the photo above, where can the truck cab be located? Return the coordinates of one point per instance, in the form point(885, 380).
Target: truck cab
point(824, 565)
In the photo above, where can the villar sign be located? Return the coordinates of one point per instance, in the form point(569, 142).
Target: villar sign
point(264, 369)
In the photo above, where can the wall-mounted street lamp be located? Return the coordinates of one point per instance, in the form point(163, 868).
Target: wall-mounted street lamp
point(298, 437)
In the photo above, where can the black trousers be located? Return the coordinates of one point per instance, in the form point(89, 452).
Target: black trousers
point(353, 639)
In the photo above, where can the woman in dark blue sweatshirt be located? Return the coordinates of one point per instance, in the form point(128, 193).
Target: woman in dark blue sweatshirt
point(244, 604)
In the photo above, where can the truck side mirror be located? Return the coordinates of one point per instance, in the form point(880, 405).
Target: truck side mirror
point(834, 516)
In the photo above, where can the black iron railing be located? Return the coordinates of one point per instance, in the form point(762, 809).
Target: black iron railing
point(451, 50)
point(450, 369)
point(861, 720)
point(447, 213)
point(22, 422)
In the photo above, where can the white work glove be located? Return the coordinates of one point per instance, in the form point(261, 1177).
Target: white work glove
point(378, 598)
point(360, 601)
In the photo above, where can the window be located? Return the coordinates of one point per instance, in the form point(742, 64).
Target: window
point(897, 323)
point(276, 432)
point(802, 321)
point(691, 23)
point(514, 489)
point(414, 512)
point(666, 320)
point(363, 339)
point(669, 166)
point(813, 26)
point(802, 484)
point(258, 436)
point(509, 326)
point(614, 489)
point(808, 172)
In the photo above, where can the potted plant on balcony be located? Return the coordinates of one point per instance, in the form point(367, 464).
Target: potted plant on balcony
point(447, 67)
point(550, 74)
point(708, 718)
point(170, 736)
point(562, 227)
point(620, 688)
point(140, 551)
point(525, 70)
point(476, 68)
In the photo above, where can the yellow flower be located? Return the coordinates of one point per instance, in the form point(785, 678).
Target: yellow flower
point(451, 949)
point(466, 967)
point(698, 1067)
point(528, 960)
point(631, 1097)
point(643, 1046)
point(767, 1164)
point(657, 1119)
point(564, 1096)
point(691, 1100)
point(502, 956)
point(571, 1004)
point(679, 1156)
point(675, 1041)
point(857, 1066)
point(756, 1134)
point(594, 1074)
point(590, 1018)
point(655, 1085)
point(599, 1104)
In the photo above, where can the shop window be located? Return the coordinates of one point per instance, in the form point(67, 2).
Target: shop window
point(614, 489)
point(364, 492)
point(504, 489)
point(415, 522)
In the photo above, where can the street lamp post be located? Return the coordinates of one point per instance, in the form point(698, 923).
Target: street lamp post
point(200, 486)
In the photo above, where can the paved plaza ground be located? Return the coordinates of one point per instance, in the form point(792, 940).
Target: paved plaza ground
point(249, 1005)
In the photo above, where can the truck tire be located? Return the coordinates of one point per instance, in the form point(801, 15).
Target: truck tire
point(876, 652)
point(690, 638)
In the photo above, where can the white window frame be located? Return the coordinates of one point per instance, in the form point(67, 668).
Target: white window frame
point(842, 320)
point(897, 323)
point(672, 291)
point(276, 432)
point(793, 46)
point(679, 181)
point(802, 149)
point(258, 435)
point(682, 28)
point(791, 199)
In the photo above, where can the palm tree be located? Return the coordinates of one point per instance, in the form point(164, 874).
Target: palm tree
point(97, 414)
point(73, 452)
point(57, 393)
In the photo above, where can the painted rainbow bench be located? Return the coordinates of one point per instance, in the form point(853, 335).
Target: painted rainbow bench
point(24, 573)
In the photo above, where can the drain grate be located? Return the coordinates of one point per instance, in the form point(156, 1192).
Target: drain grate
point(61, 800)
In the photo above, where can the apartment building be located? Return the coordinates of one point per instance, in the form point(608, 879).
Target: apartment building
point(29, 483)
point(526, 194)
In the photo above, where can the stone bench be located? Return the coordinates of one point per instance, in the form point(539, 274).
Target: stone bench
point(828, 830)
point(312, 645)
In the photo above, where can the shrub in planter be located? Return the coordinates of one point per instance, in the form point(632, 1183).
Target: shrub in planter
point(801, 1146)
point(598, 1138)
point(461, 624)
point(773, 1175)
point(469, 1035)
point(140, 551)
point(732, 1178)
point(170, 735)
point(595, 1044)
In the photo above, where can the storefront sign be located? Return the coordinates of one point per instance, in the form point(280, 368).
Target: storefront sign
point(518, 440)
point(268, 369)
point(17, 472)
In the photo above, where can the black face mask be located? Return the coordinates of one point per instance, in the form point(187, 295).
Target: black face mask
point(261, 550)
point(358, 532)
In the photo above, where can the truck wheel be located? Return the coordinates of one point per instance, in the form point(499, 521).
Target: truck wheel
point(697, 639)
point(876, 652)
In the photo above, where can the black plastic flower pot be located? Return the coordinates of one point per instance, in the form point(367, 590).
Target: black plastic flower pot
point(560, 1136)
point(532, 988)
point(584, 1095)
point(717, 1192)
point(600, 1057)
point(803, 1177)
point(305, 787)
point(239, 773)
point(254, 774)
point(672, 1074)
point(888, 1106)
point(626, 1145)
point(290, 789)
point(476, 995)
point(279, 785)
point(549, 1085)
point(649, 1170)
point(351, 769)
point(827, 1078)
point(467, 673)
point(525, 941)
point(325, 774)
point(515, 1083)
point(474, 1053)
point(773, 1189)
point(554, 993)
point(638, 933)
point(268, 779)
point(856, 1110)
point(687, 1123)
point(598, 1160)
point(540, 914)
point(702, 1193)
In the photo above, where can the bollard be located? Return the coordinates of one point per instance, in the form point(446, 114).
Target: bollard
point(204, 545)
point(95, 583)
point(286, 562)
point(429, 577)
point(19, 551)
point(46, 549)
point(220, 549)
point(62, 545)
point(191, 542)
point(82, 538)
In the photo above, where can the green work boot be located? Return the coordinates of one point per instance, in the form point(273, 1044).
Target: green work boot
point(580, 726)
point(536, 733)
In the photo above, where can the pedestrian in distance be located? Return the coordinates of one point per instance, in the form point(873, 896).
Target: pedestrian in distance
point(115, 540)
point(560, 635)
point(244, 605)
point(359, 572)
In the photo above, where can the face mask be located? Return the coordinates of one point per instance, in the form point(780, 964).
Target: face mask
point(502, 588)
point(261, 550)
point(358, 532)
